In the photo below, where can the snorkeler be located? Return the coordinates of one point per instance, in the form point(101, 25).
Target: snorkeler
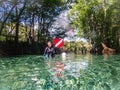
point(49, 50)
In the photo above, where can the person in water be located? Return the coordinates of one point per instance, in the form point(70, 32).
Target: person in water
point(49, 50)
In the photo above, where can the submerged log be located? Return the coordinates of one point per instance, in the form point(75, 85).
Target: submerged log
point(107, 49)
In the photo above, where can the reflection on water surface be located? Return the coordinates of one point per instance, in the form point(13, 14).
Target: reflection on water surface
point(85, 72)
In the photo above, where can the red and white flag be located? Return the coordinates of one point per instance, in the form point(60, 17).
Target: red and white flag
point(58, 42)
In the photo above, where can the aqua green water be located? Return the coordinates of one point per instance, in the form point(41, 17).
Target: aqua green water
point(84, 72)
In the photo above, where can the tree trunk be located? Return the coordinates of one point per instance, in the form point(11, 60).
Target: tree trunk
point(38, 34)
point(17, 26)
point(32, 33)
point(18, 15)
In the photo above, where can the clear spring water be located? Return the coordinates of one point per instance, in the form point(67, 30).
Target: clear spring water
point(84, 72)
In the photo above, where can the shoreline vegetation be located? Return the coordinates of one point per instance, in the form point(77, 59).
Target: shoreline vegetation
point(26, 26)
point(23, 48)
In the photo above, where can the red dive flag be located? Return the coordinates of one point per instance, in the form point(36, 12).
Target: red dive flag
point(58, 42)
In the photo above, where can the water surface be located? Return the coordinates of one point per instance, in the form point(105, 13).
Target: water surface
point(82, 72)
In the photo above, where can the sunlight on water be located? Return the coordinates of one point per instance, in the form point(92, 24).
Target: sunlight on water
point(83, 72)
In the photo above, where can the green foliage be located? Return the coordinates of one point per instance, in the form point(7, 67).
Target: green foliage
point(29, 13)
point(95, 20)
point(75, 47)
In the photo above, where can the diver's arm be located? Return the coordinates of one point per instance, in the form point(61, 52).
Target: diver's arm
point(45, 51)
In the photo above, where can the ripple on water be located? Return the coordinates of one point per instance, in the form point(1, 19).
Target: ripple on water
point(31, 72)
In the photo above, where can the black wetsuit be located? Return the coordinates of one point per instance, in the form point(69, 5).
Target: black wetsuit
point(49, 51)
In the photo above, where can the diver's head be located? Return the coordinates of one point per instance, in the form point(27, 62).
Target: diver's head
point(49, 44)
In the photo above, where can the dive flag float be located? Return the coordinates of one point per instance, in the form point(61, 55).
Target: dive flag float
point(58, 42)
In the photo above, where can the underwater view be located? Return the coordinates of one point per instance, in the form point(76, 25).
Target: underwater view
point(81, 72)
